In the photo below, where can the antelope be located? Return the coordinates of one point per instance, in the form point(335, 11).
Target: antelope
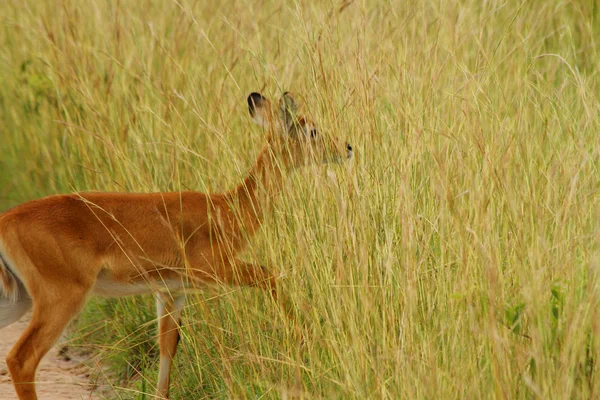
point(57, 251)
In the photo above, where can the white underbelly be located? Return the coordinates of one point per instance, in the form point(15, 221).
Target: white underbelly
point(107, 287)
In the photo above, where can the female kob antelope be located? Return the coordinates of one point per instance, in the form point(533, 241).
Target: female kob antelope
point(56, 251)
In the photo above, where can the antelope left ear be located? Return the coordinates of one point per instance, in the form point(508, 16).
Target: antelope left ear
point(287, 110)
point(259, 109)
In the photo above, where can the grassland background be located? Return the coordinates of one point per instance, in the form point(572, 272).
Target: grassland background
point(455, 257)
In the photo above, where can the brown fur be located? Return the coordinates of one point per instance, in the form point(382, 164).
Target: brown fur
point(64, 248)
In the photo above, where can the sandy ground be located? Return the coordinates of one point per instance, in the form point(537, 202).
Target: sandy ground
point(57, 378)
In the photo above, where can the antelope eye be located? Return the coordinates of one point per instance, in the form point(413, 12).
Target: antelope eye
point(313, 133)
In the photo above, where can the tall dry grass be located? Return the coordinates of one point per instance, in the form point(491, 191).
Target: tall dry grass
point(455, 257)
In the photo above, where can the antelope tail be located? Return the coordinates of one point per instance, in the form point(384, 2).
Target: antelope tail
point(14, 299)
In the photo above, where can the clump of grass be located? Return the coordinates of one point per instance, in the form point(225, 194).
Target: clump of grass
point(455, 257)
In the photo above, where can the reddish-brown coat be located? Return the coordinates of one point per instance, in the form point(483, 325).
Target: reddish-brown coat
point(65, 247)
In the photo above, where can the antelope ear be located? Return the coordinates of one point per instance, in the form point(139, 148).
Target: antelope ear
point(287, 110)
point(259, 108)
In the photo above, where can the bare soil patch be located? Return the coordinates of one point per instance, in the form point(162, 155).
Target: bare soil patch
point(57, 377)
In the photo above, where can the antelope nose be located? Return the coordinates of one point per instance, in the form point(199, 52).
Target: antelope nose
point(349, 150)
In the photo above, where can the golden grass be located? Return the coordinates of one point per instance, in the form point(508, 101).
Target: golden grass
point(455, 257)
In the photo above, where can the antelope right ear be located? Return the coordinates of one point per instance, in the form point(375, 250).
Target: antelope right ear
point(287, 110)
point(259, 108)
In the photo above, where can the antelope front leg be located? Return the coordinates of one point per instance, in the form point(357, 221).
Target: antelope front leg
point(168, 309)
point(246, 274)
point(240, 273)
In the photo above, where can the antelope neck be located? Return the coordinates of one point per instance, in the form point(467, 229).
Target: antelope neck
point(254, 195)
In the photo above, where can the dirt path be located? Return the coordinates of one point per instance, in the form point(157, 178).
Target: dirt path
point(56, 378)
